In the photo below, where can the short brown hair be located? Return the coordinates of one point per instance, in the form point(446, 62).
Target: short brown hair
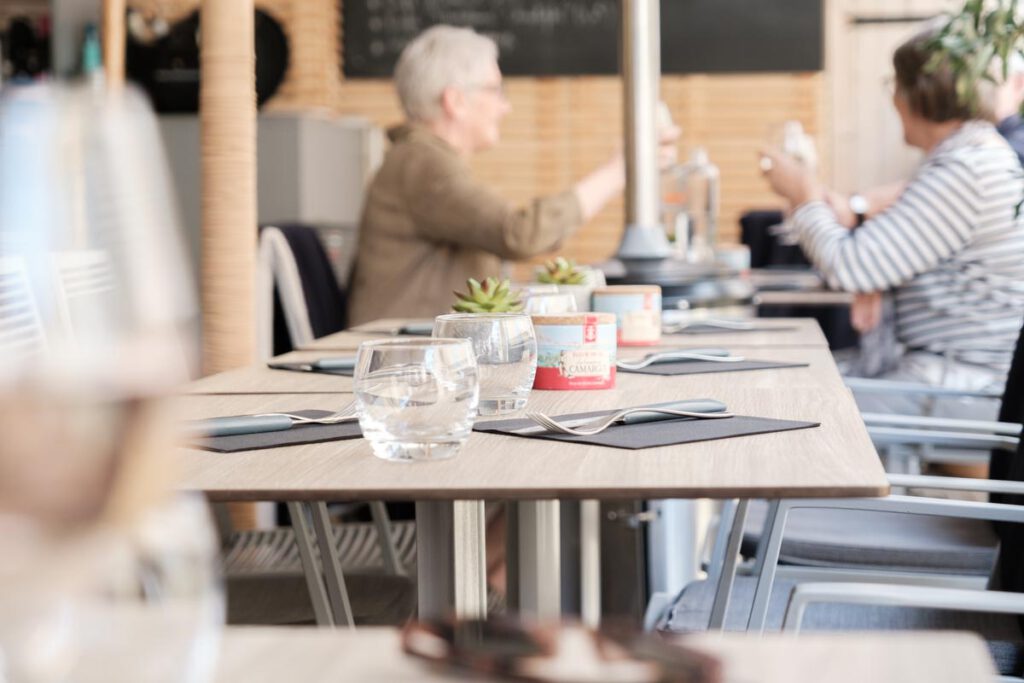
point(931, 93)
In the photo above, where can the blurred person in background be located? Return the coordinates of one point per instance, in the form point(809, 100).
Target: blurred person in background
point(866, 313)
point(427, 223)
point(950, 245)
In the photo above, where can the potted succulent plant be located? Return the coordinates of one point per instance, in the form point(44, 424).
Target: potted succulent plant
point(573, 279)
point(490, 296)
point(977, 42)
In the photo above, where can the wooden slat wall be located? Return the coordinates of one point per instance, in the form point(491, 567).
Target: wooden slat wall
point(560, 128)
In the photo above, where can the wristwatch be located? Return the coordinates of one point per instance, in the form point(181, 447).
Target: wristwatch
point(859, 207)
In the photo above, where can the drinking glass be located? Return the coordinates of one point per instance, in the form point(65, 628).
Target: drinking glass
point(416, 398)
point(550, 304)
point(95, 550)
point(528, 289)
point(506, 355)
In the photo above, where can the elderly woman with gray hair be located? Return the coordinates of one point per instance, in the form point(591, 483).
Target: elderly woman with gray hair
point(427, 224)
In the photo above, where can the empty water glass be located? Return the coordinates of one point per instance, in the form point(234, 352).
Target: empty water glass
point(528, 289)
point(549, 304)
point(506, 355)
point(416, 398)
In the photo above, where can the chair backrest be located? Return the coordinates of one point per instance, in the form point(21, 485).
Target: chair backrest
point(294, 264)
point(84, 289)
point(1009, 574)
point(22, 335)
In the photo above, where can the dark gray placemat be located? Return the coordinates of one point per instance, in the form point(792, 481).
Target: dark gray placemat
point(652, 434)
point(715, 329)
point(699, 367)
point(300, 434)
point(305, 367)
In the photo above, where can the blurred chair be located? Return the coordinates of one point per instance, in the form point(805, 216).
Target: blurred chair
point(84, 289)
point(265, 567)
point(872, 540)
point(297, 291)
point(760, 602)
point(21, 328)
point(949, 549)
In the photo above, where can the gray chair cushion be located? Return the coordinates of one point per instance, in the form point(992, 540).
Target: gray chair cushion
point(692, 608)
point(825, 538)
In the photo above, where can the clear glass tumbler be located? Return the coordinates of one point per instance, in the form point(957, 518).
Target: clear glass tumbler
point(416, 398)
point(506, 355)
point(549, 304)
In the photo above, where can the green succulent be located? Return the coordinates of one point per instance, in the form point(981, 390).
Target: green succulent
point(976, 44)
point(561, 271)
point(493, 296)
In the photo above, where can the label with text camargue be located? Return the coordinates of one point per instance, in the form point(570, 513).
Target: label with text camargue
point(575, 351)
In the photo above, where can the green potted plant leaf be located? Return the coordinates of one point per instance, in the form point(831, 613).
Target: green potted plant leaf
point(490, 296)
point(977, 43)
point(579, 281)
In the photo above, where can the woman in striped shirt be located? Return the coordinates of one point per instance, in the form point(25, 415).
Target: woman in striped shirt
point(951, 247)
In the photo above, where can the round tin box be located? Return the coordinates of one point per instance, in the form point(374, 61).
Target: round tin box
point(637, 310)
point(575, 351)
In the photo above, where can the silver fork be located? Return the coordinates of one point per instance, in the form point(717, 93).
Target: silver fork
point(675, 355)
point(346, 414)
point(602, 423)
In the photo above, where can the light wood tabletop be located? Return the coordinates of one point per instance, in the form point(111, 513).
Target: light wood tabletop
point(260, 379)
point(836, 459)
point(272, 655)
point(792, 332)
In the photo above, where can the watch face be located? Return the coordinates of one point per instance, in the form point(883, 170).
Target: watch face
point(858, 204)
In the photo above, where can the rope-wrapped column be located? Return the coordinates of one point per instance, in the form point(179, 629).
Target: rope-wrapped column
point(113, 42)
point(227, 106)
point(227, 113)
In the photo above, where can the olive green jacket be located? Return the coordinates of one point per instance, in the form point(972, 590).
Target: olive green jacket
point(427, 226)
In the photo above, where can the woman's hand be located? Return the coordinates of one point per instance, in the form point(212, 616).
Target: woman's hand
point(789, 178)
point(866, 311)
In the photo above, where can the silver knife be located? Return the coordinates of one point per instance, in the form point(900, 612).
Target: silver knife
point(323, 364)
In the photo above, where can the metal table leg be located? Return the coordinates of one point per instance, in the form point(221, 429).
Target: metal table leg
point(590, 562)
point(450, 559)
point(539, 559)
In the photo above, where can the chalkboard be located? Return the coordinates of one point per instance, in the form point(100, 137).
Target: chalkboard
point(579, 37)
point(723, 36)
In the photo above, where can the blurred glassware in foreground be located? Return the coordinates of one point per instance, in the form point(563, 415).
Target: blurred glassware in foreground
point(690, 206)
point(97, 320)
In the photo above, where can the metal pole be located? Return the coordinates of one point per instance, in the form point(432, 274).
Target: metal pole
point(644, 238)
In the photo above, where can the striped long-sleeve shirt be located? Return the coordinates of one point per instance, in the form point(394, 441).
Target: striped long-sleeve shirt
point(952, 248)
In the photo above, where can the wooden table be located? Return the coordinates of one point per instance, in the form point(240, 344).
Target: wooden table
point(821, 373)
point(272, 655)
point(836, 459)
point(803, 332)
point(145, 647)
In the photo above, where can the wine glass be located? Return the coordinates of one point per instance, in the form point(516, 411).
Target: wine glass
point(92, 261)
